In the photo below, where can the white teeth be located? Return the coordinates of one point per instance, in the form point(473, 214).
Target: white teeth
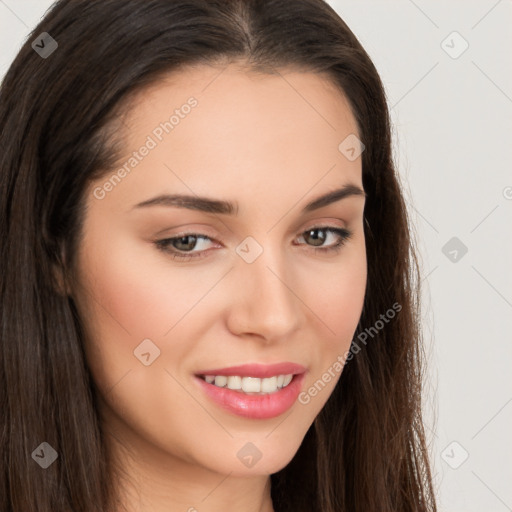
point(250, 385)
point(221, 380)
point(235, 382)
point(269, 385)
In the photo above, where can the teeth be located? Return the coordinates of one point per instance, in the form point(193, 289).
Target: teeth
point(250, 385)
point(221, 381)
point(268, 385)
point(234, 382)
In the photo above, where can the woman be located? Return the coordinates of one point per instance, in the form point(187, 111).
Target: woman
point(271, 363)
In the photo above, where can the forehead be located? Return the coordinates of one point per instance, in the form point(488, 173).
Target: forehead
point(248, 131)
point(234, 93)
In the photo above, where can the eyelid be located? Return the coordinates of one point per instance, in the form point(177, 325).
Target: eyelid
point(343, 233)
point(204, 230)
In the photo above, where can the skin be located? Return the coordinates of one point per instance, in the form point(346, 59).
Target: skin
point(270, 143)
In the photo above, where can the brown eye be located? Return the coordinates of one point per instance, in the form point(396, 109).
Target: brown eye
point(317, 236)
point(313, 236)
point(183, 243)
point(182, 247)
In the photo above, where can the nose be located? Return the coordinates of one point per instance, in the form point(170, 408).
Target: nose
point(264, 302)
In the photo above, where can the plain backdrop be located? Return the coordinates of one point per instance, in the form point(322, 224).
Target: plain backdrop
point(447, 73)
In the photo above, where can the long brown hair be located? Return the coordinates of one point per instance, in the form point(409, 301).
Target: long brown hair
point(366, 450)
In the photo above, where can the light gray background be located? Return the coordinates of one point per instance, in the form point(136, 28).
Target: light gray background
point(452, 122)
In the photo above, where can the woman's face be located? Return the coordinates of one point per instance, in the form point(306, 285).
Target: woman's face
point(262, 284)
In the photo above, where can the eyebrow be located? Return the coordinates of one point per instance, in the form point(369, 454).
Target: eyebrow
point(218, 206)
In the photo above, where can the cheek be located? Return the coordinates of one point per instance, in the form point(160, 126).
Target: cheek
point(127, 295)
point(338, 303)
point(340, 296)
point(138, 289)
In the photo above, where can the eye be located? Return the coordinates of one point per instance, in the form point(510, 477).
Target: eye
point(184, 243)
point(179, 246)
point(312, 234)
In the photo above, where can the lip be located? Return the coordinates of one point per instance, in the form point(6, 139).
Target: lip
point(253, 406)
point(257, 370)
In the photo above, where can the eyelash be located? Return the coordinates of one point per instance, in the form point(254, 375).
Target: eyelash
point(165, 245)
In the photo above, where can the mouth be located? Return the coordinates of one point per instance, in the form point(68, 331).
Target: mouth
point(253, 391)
point(250, 385)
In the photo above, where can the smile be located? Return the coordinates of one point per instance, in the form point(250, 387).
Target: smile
point(249, 385)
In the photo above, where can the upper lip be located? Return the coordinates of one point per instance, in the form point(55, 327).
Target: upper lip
point(257, 370)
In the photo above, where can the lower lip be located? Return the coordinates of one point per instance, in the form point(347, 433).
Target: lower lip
point(255, 406)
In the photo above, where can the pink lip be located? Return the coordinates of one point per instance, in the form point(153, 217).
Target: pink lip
point(254, 406)
point(257, 370)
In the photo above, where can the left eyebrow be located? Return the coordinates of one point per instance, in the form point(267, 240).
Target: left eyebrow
point(331, 197)
point(218, 206)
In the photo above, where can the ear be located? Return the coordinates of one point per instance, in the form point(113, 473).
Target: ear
point(60, 279)
point(60, 282)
